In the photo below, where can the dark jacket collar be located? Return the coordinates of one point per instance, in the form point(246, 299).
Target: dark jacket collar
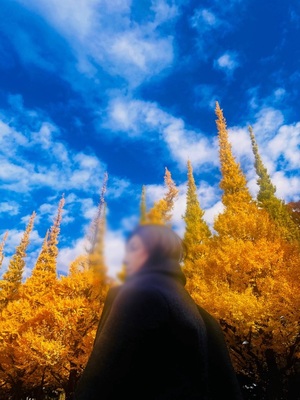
point(169, 268)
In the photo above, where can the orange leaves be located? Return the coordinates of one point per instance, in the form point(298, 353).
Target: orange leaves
point(11, 281)
point(249, 276)
point(51, 333)
point(47, 332)
point(246, 274)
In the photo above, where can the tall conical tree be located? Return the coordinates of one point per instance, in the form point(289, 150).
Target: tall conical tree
point(54, 232)
point(196, 228)
point(2, 244)
point(266, 188)
point(93, 259)
point(267, 199)
point(44, 260)
point(233, 182)
point(161, 212)
point(12, 278)
point(240, 218)
point(250, 273)
point(143, 207)
point(44, 272)
point(96, 257)
point(196, 233)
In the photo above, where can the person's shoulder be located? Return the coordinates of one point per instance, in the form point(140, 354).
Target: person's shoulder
point(140, 294)
point(138, 288)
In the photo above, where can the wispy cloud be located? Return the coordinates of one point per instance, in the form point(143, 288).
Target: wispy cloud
point(227, 62)
point(11, 207)
point(205, 19)
point(56, 166)
point(68, 254)
point(146, 120)
point(105, 34)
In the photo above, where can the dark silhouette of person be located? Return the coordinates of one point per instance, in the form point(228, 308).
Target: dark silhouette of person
point(153, 341)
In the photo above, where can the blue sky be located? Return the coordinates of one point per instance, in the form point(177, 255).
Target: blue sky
point(128, 87)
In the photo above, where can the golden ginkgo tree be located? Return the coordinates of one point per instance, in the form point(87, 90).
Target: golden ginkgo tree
point(47, 332)
point(249, 281)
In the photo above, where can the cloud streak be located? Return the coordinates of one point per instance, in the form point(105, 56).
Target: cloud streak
point(147, 121)
point(56, 166)
point(105, 35)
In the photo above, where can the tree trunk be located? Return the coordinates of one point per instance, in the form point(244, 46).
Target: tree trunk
point(274, 388)
point(70, 386)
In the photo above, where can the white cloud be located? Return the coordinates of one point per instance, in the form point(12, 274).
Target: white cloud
point(252, 184)
point(129, 223)
point(52, 163)
point(88, 208)
point(279, 93)
point(208, 194)
point(179, 210)
point(287, 187)
point(188, 145)
point(13, 240)
point(117, 187)
point(65, 17)
point(44, 136)
point(11, 207)
point(144, 119)
point(49, 210)
point(163, 11)
point(205, 20)
point(149, 56)
point(68, 254)
point(268, 121)
point(154, 193)
point(10, 139)
point(240, 142)
point(212, 212)
point(114, 251)
point(104, 33)
point(278, 146)
point(286, 143)
point(132, 116)
point(242, 150)
point(227, 62)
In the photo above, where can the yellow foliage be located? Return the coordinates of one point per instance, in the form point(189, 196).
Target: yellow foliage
point(246, 274)
point(161, 212)
point(12, 278)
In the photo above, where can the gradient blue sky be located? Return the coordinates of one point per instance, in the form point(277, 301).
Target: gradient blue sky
point(129, 87)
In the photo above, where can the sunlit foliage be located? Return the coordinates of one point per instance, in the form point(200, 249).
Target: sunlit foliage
point(161, 212)
point(244, 270)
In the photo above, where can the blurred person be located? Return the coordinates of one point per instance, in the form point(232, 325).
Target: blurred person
point(153, 341)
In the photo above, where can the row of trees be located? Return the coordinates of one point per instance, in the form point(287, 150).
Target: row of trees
point(245, 272)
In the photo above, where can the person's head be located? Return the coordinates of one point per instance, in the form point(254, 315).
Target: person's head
point(154, 243)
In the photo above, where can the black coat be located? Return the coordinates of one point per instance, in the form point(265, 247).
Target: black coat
point(155, 343)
